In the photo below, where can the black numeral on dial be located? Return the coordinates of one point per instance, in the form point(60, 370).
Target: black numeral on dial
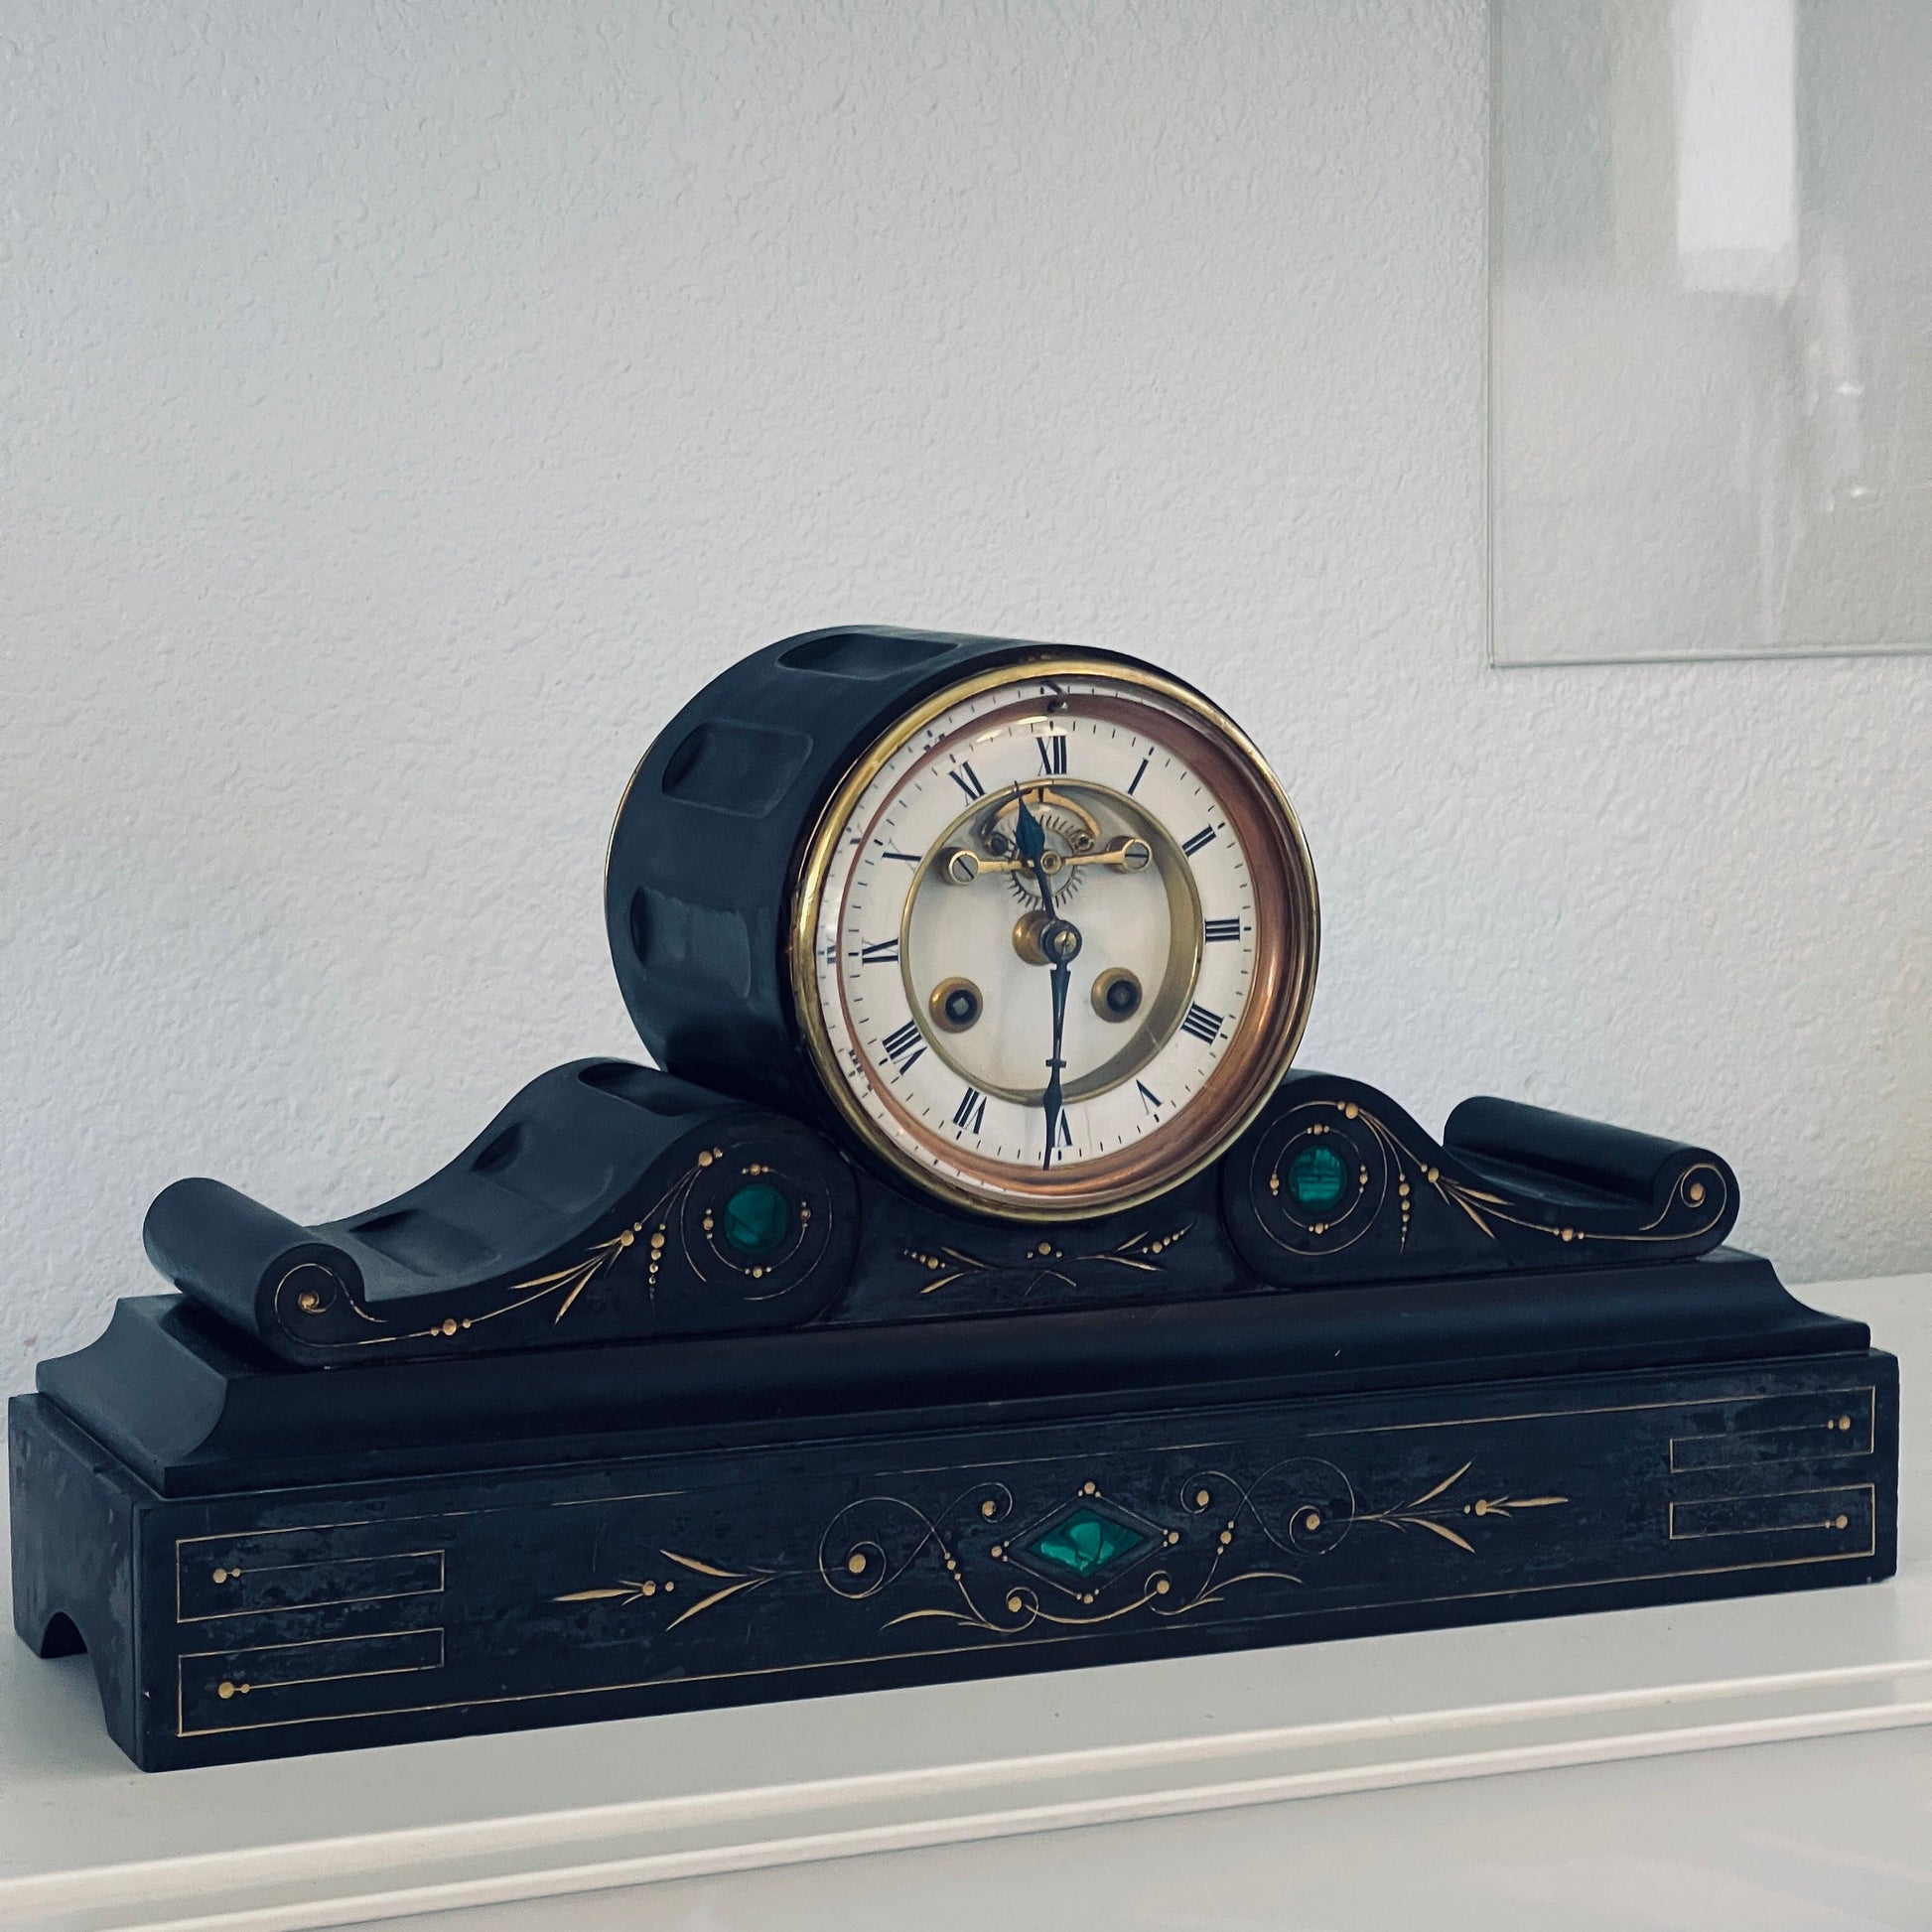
point(884, 952)
point(968, 780)
point(903, 1046)
point(970, 1114)
point(1204, 1025)
point(1052, 754)
point(1214, 929)
point(1206, 836)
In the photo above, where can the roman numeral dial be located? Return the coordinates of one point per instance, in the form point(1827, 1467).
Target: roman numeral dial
point(1042, 963)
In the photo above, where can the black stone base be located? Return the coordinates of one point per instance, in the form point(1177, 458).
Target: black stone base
point(756, 1560)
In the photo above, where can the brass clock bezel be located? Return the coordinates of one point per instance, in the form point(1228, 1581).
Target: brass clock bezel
point(1299, 920)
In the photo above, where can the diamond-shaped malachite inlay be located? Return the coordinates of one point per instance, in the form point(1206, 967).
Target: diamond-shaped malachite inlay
point(756, 1218)
point(1085, 1541)
point(1317, 1176)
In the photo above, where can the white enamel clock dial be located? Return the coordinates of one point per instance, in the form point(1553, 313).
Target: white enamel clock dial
point(1054, 939)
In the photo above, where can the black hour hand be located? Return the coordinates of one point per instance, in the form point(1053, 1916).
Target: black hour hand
point(1030, 836)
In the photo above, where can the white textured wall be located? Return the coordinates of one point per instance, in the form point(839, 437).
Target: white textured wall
point(405, 407)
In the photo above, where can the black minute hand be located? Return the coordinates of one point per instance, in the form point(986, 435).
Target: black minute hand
point(1050, 1100)
point(1059, 942)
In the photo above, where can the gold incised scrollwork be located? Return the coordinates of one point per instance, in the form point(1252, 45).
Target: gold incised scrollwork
point(628, 1592)
point(1642, 1561)
point(1047, 1261)
point(311, 1290)
point(1428, 1511)
point(1702, 1185)
point(998, 1581)
point(565, 1283)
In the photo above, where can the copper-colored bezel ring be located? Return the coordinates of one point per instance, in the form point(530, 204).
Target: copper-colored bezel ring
point(1287, 983)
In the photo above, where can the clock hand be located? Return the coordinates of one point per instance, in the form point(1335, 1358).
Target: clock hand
point(1060, 942)
point(1062, 972)
point(1031, 837)
point(1051, 1098)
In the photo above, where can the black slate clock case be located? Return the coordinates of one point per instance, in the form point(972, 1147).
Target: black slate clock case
point(659, 1396)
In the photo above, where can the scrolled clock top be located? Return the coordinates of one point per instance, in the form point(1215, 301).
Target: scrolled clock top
point(1032, 926)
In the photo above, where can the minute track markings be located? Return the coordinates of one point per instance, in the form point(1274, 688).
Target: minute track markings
point(929, 1124)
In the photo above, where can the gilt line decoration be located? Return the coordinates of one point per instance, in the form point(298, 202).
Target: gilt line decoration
point(1700, 1190)
point(1046, 1261)
point(1088, 1557)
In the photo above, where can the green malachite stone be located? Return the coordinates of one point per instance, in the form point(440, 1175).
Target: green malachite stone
point(1085, 1542)
point(1316, 1177)
point(756, 1218)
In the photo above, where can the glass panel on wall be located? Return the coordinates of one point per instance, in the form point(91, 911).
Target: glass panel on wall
point(1710, 335)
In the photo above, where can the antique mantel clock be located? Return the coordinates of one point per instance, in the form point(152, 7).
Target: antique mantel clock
point(972, 1286)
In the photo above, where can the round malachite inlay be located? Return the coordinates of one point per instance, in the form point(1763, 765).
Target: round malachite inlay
point(1317, 1175)
point(1087, 1541)
point(755, 1218)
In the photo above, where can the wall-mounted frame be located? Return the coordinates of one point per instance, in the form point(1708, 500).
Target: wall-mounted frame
point(1711, 329)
